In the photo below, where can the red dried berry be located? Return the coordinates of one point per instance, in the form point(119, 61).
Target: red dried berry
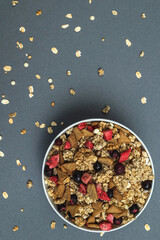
point(82, 188)
point(110, 218)
point(107, 134)
point(90, 128)
point(105, 226)
point(86, 178)
point(54, 179)
point(124, 155)
point(103, 196)
point(82, 125)
point(67, 145)
point(53, 161)
point(89, 144)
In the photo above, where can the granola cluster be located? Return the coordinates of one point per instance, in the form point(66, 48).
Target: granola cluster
point(99, 175)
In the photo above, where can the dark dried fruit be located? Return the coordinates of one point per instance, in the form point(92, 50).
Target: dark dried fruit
point(134, 209)
point(58, 142)
point(146, 185)
point(97, 166)
point(77, 176)
point(119, 168)
point(48, 172)
point(110, 193)
point(114, 154)
point(118, 221)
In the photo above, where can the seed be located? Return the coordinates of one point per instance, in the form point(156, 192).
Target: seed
point(138, 74)
point(128, 43)
point(77, 29)
point(54, 50)
point(5, 195)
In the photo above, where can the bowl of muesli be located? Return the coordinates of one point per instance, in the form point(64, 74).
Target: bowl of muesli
point(98, 175)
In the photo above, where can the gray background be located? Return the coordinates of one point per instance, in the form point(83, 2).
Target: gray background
point(119, 88)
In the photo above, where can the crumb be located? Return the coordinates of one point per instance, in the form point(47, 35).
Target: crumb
point(5, 195)
point(106, 109)
point(1, 154)
point(128, 43)
point(24, 168)
point(103, 39)
point(54, 50)
point(31, 39)
point(65, 226)
point(0, 137)
point(7, 68)
point(68, 73)
point(72, 92)
point(143, 15)
point(62, 123)
point(53, 225)
point(69, 15)
point(52, 86)
point(92, 18)
point(38, 76)
point(22, 209)
point(18, 162)
point(65, 26)
point(22, 29)
point(141, 54)
point(50, 80)
point(15, 228)
point(138, 74)
point(26, 65)
point(14, 3)
point(101, 234)
point(23, 131)
point(5, 101)
point(10, 120)
point(13, 114)
point(19, 45)
point(143, 100)
point(13, 83)
point(78, 53)
point(147, 227)
point(29, 184)
point(39, 12)
point(52, 104)
point(100, 72)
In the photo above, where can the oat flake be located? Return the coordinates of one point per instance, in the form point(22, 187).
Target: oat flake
point(37, 124)
point(128, 43)
point(26, 65)
point(54, 50)
point(7, 68)
point(106, 109)
point(141, 54)
point(143, 100)
point(78, 53)
point(1, 154)
point(13, 114)
point(92, 18)
point(5, 195)
point(77, 29)
point(42, 125)
point(115, 13)
point(50, 130)
point(5, 101)
point(69, 15)
point(147, 227)
point(65, 26)
point(53, 124)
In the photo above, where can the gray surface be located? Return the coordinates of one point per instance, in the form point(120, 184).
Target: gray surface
point(119, 88)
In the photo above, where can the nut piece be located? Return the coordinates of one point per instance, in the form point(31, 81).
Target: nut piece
point(29, 184)
point(147, 227)
point(54, 50)
point(106, 109)
point(114, 209)
point(15, 228)
point(73, 141)
point(106, 160)
point(100, 72)
point(91, 190)
point(128, 43)
point(138, 74)
point(53, 225)
point(5, 195)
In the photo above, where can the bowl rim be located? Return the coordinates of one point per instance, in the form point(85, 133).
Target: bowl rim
point(44, 163)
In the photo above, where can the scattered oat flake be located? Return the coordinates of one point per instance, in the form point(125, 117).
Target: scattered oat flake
point(106, 109)
point(103, 39)
point(24, 168)
point(77, 29)
point(13, 114)
point(18, 162)
point(22, 209)
point(92, 18)
point(26, 65)
point(42, 125)
point(14, 3)
point(31, 95)
point(138, 74)
point(15, 228)
point(22, 29)
point(68, 73)
point(141, 54)
point(29, 184)
point(115, 13)
point(5, 195)
point(23, 131)
point(54, 50)
point(1, 154)
point(37, 124)
point(69, 15)
point(78, 53)
point(90, 1)
point(52, 104)
point(53, 124)
point(13, 83)
point(38, 76)
point(128, 43)
point(147, 227)
point(65, 226)
point(65, 26)
point(5, 101)
point(72, 92)
point(52, 86)
point(101, 234)
point(39, 12)
point(62, 123)
point(19, 45)
point(50, 130)
point(7, 68)
point(143, 100)
point(100, 72)
point(31, 39)
point(143, 15)
point(10, 120)
point(53, 225)
point(50, 80)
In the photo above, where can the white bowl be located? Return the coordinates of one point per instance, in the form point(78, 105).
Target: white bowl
point(54, 206)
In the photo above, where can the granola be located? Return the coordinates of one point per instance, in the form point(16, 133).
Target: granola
point(99, 175)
